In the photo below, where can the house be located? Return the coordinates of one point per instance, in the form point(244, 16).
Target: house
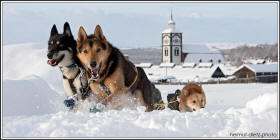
point(266, 73)
point(203, 56)
point(227, 69)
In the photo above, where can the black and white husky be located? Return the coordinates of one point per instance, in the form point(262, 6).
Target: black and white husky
point(62, 53)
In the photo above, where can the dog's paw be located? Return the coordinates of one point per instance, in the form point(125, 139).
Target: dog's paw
point(70, 102)
point(98, 108)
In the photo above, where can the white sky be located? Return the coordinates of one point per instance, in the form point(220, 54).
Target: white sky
point(139, 24)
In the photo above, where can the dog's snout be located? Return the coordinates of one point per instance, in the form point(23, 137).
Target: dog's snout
point(49, 55)
point(93, 64)
point(202, 107)
point(193, 109)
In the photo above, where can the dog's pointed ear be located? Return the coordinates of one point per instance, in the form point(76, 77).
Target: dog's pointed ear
point(178, 99)
point(98, 33)
point(54, 31)
point(67, 30)
point(82, 35)
point(185, 92)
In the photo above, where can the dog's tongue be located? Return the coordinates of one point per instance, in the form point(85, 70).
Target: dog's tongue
point(51, 61)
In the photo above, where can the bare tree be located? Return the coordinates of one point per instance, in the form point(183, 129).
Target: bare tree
point(260, 51)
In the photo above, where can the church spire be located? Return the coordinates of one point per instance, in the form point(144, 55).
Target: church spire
point(171, 15)
point(171, 22)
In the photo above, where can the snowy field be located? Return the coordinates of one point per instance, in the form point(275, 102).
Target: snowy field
point(32, 105)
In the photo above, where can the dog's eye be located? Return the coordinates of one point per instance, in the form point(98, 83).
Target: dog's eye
point(57, 42)
point(98, 50)
point(194, 101)
point(85, 51)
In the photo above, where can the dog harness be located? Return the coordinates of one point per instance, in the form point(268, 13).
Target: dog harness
point(85, 88)
point(132, 87)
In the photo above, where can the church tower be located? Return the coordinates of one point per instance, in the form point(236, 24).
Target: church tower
point(171, 43)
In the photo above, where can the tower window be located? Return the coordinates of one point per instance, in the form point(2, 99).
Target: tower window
point(200, 60)
point(166, 52)
point(219, 61)
point(176, 51)
point(176, 40)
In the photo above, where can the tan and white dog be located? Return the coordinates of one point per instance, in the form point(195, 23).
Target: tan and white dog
point(112, 74)
point(191, 98)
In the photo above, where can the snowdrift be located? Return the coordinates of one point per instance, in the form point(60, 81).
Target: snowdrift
point(31, 96)
point(23, 60)
point(208, 122)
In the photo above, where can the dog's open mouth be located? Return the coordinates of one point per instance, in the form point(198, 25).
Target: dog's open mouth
point(54, 62)
point(94, 72)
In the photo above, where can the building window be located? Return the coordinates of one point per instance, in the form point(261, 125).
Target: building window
point(166, 41)
point(166, 52)
point(176, 51)
point(210, 60)
point(200, 60)
point(219, 61)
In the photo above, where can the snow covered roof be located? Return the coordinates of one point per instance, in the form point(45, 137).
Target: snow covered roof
point(204, 57)
point(260, 67)
point(189, 65)
point(178, 66)
point(171, 30)
point(205, 65)
point(144, 65)
point(227, 70)
point(168, 65)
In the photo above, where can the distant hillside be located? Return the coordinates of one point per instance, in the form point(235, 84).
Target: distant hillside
point(139, 55)
point(234, 52)
point(227, 45)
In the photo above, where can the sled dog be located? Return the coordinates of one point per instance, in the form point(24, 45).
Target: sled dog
point(191, 98)
point(62, 53)
point(111, 73)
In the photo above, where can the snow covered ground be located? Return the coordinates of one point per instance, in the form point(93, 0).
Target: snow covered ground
point(32, 107)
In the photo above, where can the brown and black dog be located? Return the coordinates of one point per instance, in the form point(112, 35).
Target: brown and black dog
point(112, 74)
point(191, 98)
